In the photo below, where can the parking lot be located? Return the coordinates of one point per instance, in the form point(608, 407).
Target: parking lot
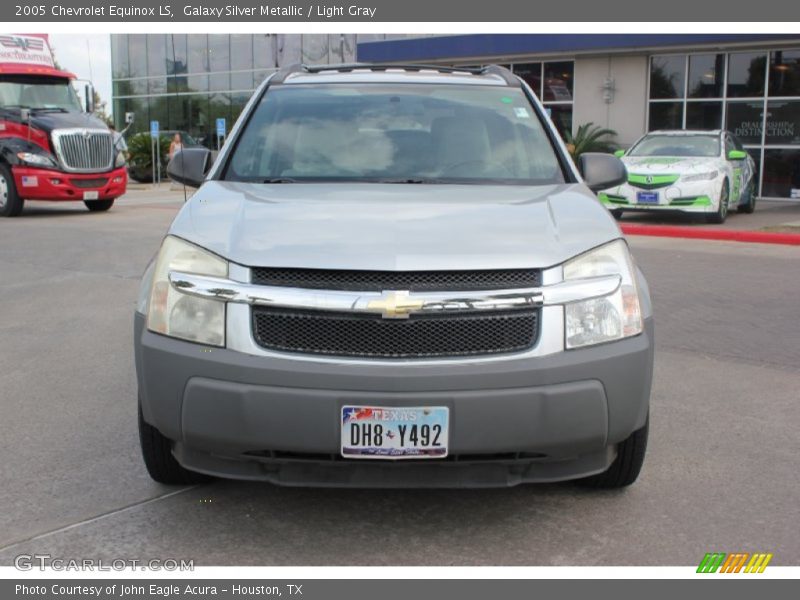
point(721, 472)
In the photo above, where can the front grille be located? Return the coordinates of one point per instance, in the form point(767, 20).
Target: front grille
point(89, 183)
point(371, 336)
point(368, 281)
point(84, 150)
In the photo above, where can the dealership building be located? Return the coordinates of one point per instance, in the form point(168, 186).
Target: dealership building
point(631, 83)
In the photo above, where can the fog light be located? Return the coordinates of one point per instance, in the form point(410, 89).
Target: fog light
point(55, 181)
point(117, 180)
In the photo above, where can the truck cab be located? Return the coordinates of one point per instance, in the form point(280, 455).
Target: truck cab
point(51, 147)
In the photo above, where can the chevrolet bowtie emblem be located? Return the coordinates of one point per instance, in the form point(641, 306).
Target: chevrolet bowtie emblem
point(395, 305)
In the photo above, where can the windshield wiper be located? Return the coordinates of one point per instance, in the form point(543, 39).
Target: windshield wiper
point(50, 109)
point(410, 180)
point(280, 180)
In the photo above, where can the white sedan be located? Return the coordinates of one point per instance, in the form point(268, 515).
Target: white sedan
point(706, 172)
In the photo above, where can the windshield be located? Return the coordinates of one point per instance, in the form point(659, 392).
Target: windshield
point(400, 133)
point(677, 145)
point(38, 93)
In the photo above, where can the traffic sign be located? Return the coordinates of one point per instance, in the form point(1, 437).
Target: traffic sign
point(221, 127)
point(154, 128)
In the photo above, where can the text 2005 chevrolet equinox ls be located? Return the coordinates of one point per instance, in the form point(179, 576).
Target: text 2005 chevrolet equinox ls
point(394, 276)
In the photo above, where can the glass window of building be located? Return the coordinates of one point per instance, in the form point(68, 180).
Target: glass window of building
point(265, 51)
point(746, 74)
point(667, 76)
point(781, 177)
point(531, 73)
point(119, 57)
point(157, 54)
point(665, 115)
point(177, 63)
point(706, 74)
point(219, 53)
point(703, 115)
point(315, 50)
point(553, 83)
point(745, 120)
point(197, 53)
point(137, 55)
point(558, 81)
point(783, 123)
point(290, 49)
point(784, 73)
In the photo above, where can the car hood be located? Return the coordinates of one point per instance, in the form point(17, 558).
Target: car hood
point(652, 165)
point(394, 226)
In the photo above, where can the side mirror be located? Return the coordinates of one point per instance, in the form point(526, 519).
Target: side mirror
point(89, 98)
point(190, 166)
point(601, 171)
point(619, 153)
point(737, 155)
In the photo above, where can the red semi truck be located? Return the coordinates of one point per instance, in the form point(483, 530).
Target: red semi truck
point(51, 146)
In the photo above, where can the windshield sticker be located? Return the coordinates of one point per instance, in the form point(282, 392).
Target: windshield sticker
point(522, 112)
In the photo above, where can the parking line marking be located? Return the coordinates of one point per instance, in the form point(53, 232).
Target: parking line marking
point(99, 517)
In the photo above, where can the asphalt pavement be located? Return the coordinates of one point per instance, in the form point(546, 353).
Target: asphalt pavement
point(721, 472)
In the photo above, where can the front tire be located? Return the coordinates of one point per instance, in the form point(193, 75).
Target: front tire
point(10, 202)
point(718, 218)
point(750, 206)
point(157, 454)
point(99, 205)
point(628, 464)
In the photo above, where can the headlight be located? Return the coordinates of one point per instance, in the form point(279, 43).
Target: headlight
point(119, 161)
point(172, 313)
point(700, 176)
point(37, 160)
point(608, 318)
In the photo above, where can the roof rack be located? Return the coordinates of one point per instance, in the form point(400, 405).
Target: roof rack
point(502, 72)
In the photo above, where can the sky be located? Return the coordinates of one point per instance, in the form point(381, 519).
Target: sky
point(73, 54)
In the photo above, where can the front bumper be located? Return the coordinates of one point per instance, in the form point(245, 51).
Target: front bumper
point(693, 197)
point(276, 419)
point(48, 184)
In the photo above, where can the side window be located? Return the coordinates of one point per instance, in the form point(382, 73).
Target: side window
point(728, 145)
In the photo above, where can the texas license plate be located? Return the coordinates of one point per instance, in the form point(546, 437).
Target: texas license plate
point(647, 197)
point(91, 195)
point(394, 432)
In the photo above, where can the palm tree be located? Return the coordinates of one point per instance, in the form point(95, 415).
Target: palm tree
point(590, 138)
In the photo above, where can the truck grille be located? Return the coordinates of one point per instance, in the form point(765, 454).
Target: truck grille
point(84, 150)
point(371, 281)
point(421, 336)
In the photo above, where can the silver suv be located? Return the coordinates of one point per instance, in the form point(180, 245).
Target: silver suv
point(394, 276)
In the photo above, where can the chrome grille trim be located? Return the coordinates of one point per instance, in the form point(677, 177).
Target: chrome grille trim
point(84, 150)
point(406, 304)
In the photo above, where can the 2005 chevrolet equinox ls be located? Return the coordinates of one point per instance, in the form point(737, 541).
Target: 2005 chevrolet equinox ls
point(394, 276)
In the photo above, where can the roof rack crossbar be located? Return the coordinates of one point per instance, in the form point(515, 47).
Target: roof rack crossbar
point(502, 72)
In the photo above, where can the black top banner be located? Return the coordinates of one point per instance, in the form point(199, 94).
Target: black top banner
point(143, 11)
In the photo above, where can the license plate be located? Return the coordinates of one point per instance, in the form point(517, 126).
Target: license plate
point(93, 195)
point(647, 197)
point(391, 432)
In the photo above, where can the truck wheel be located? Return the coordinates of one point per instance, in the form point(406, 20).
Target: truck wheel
point(157, 454)
point(626, 467)
point(719, 217)
point(99, 205)
point(10, 202)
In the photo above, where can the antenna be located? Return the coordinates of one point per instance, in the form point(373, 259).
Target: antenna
point(183, 146)
point(89, 56)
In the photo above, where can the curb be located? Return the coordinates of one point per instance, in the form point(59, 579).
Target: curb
point(703, 233)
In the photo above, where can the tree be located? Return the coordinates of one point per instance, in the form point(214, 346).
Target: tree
point(590, 138)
